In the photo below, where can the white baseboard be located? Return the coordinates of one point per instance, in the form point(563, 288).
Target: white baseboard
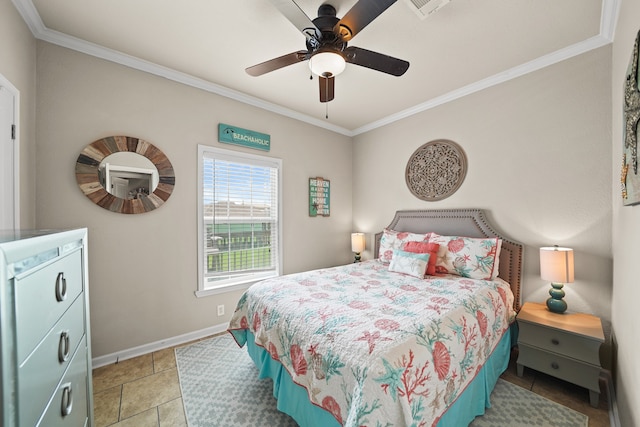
point(614, 418)
point(158, 345)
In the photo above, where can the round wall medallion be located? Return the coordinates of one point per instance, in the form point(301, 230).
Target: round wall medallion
point(436, 170)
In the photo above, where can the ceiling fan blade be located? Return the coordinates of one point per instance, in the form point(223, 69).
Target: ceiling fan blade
point(376, 61)
point(291, 11)
point(327, 86)
point(359, 16)
point(277, 63)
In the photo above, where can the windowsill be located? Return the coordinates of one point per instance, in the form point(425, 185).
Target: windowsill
point(229, 288)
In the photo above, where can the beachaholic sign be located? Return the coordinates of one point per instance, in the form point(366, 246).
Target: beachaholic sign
point(319, 197)
point(244, 137)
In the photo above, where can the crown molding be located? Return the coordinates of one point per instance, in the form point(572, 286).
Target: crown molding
point(512, 73)
point(30, 15)
point(609, 18)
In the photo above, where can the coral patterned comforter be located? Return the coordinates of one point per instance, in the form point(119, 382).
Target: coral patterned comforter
point(374, 347)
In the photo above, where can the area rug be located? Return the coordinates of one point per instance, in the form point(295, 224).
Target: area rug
point(514, 406)
point(221, 388)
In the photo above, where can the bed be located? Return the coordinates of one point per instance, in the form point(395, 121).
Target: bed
point(378, 344)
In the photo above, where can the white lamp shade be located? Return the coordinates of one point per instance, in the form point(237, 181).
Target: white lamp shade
point(327, 62)
point(556, 264)
point(357, 242)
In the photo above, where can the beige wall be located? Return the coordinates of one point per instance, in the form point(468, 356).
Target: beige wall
point(540, 162)
point(143, 268)
point(539, 155)
point(18, 65)
point(626, 229)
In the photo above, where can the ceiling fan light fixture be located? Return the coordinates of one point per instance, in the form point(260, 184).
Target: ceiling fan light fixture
point(327, 63)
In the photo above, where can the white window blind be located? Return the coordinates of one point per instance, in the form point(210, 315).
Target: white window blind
point(239, 219)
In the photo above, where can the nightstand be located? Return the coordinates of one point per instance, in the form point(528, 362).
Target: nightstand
point(565, 346)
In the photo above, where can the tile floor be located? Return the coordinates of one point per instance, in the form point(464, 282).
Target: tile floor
point(139, 392)
point(144, 392)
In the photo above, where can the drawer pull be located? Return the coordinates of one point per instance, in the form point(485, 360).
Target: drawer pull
point(61, 287)
point(67, 400)
point(63, 347)
point(555, 365)
point(555, 341)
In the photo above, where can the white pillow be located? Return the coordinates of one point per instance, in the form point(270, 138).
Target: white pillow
point(392, 239)
point(411, 263)
point(475, 258)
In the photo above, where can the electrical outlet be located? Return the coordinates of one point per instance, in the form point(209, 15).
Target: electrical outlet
point(221, 310)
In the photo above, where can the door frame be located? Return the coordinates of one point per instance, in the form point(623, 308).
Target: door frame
point(16, 149)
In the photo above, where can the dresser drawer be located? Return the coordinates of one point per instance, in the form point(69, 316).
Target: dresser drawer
point(39, 375)
point(68, 407)
point(42, 297)
point(558, 341)
point(568, 369)
point(44, 329)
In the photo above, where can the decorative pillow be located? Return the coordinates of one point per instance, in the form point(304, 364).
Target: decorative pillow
point(392, 239)
point(410, 263)
point(475, 258)
point(424, 248)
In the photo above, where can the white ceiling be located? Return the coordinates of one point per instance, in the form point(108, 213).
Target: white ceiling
point(466, 46)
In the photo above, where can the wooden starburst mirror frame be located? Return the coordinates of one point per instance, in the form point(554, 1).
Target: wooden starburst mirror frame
point(88, 178)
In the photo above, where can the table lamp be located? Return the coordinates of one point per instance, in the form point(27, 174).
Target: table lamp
point(556, 265)
point(357, 244)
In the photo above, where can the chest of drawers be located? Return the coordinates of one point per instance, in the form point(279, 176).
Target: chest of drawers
point(564, 345)
point(45, 375)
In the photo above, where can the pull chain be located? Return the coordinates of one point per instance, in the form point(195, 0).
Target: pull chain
point(326, 104)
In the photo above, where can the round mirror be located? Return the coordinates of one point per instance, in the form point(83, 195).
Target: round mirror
point(128, 175)
point(125, 174)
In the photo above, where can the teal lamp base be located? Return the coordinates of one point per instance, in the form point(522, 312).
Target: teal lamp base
point(357, 257)
point(556, 304)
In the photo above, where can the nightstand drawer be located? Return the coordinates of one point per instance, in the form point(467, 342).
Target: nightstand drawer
point(558, 341)
point(574, 371)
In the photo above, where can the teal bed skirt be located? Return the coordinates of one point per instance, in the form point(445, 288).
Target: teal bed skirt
point(293, 398)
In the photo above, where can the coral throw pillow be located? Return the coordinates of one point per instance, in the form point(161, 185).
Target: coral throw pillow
point(425, 248)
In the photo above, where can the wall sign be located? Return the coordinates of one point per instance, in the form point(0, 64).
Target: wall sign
point(244, 137)
point(319, 197)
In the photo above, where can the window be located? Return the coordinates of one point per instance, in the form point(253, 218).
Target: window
point(239, 219)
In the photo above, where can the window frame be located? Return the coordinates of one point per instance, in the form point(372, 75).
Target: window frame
point(240, 157)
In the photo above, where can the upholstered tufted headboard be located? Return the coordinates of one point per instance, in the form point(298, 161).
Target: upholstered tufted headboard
point(468, 223)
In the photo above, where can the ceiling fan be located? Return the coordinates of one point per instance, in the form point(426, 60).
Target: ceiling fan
point(327, 37)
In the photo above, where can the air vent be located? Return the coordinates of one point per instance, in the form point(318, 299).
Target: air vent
point(424, 8)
